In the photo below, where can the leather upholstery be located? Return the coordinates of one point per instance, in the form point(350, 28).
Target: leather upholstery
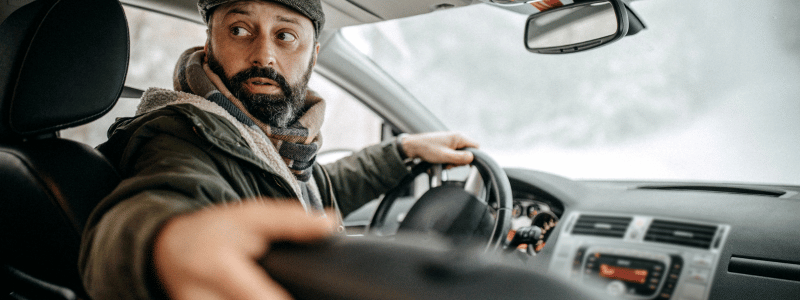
point(62, 64)
point(50, 187)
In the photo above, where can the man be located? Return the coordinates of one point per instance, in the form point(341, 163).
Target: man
point(214, 171)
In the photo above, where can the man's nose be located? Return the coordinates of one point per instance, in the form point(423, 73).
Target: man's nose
point(264, 52)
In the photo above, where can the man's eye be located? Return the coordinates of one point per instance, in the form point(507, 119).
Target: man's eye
point(239, 31)
point(286, 37)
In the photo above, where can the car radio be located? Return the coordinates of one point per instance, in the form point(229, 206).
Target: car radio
point(634, 274)
point(627, 257)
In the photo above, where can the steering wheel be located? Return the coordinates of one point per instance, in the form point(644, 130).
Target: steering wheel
point(450, 209)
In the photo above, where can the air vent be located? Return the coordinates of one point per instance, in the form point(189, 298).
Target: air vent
point(685, 234)
point(602, 226)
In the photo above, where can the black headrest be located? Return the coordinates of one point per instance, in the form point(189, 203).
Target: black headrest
point(62, 64)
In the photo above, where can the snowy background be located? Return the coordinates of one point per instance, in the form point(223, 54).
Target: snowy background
point(709, 91)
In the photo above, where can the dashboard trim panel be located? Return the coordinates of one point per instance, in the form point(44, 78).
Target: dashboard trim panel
point(690, 269)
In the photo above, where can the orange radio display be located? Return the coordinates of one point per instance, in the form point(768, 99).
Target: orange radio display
point(625, 274)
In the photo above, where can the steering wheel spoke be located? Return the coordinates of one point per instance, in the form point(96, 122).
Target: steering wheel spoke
point(437, 176)
point(446, 209)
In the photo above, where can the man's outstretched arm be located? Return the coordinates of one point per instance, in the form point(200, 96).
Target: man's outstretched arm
point(212, 254)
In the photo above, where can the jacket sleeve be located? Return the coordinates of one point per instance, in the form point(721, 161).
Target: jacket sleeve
point(365, 175)
point(168, 176)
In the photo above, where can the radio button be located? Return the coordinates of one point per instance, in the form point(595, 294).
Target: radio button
point(673, 276)
point(615, 288)
point(669, 285)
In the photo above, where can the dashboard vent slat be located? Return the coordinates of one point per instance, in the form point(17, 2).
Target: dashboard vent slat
point(684, 234)
point(602, 226)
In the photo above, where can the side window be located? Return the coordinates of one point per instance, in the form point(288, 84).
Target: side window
point(156, 43)
point(349, 124)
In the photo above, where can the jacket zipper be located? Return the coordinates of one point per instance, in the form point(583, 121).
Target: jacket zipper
point(334, 203)
point(282, 185)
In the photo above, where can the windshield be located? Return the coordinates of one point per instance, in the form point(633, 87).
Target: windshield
point(708, 92)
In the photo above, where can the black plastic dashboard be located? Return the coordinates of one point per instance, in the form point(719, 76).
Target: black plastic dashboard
point(753, 232)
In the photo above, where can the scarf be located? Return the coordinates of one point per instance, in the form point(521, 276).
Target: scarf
point(297, 144)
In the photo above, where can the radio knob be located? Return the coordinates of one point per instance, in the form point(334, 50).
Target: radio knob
point(615, 288)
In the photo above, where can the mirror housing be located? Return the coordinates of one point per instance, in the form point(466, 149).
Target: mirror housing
point(580, 26)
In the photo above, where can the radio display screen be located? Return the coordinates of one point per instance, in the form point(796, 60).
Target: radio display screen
point(625, 274)
point(641, 276)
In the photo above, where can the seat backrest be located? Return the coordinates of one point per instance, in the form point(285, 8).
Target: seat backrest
point(62, 64)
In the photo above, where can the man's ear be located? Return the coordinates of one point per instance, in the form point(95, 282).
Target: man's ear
point(314, 58)
point(205, 49)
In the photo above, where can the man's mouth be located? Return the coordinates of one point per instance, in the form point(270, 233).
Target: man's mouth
point(262, 81)
point(263, 86)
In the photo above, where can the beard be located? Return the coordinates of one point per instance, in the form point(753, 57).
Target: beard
point(276, 110)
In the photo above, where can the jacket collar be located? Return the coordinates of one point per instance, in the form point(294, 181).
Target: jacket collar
point(249, 144)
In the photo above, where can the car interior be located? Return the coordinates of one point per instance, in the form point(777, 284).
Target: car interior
point(495, 232)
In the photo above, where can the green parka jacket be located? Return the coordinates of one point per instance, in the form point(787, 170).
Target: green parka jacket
point(181, 158)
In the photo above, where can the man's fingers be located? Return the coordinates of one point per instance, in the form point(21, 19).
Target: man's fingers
point(440, 147)
point(212, 253)
point(463, 141)
point(456, 157)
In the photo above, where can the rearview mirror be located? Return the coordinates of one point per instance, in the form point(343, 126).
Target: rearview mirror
point(577, 27)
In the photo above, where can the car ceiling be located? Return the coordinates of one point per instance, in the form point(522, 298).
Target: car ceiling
point(339, 13)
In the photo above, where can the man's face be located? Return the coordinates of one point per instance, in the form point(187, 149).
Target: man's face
point(264, 53)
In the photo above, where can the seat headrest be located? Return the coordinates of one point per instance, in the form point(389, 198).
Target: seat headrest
point(62, 64)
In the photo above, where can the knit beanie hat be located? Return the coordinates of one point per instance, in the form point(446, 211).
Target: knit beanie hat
point(309, 8)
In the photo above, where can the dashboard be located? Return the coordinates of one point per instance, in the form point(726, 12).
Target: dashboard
point(656, 240)
point(646, 240)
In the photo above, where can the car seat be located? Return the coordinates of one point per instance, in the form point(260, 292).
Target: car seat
point(62, 64)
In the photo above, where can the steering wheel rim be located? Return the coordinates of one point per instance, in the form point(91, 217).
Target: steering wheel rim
point(495, 180)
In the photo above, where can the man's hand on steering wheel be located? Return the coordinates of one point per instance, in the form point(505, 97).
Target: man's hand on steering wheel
point(439, 147)
point(450, 210)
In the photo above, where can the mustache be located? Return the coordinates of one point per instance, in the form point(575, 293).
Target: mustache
point(263, 72)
